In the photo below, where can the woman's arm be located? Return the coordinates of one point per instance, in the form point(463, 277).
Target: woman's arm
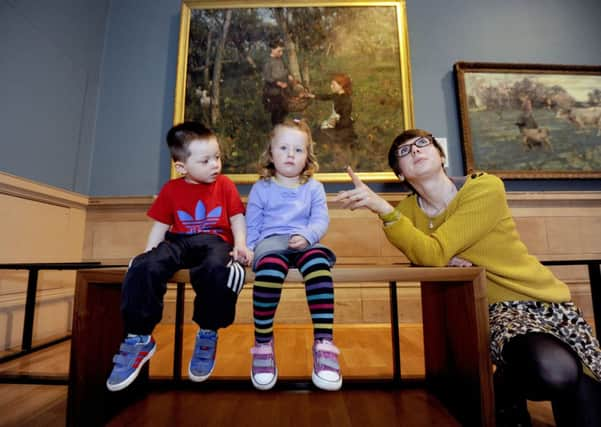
point(477, 213)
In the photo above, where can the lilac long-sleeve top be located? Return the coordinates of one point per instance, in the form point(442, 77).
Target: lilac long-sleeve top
point(275, 209)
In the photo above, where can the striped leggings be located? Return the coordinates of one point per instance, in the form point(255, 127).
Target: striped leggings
point(270, 274)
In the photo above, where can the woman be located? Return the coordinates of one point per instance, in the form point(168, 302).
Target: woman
point(541, 345)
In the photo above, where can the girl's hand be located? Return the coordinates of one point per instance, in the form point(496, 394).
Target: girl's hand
point(297, 241)
point(459, 262)
point(242, 254)
point(362, 197)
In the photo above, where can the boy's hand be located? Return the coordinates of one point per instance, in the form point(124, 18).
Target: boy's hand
point(297, 241)
point(243, 255)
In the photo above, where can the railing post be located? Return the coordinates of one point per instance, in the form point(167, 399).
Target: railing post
point(594, 274)
point(394, 329)
point(32, 287)
point(179, 331)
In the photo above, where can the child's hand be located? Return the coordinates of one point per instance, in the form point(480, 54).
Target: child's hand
point(459, 262)
point(242, 254)
point(297, 241)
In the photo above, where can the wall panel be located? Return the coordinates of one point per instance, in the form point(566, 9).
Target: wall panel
point(39, 224)
point(554, 225)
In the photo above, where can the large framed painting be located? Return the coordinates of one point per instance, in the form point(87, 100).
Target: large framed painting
point(228, 51)
point(530, 120)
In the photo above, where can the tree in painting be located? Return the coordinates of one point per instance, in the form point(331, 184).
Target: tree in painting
point(229, 47)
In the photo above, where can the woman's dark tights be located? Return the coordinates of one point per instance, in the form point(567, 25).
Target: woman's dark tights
point(541, 367)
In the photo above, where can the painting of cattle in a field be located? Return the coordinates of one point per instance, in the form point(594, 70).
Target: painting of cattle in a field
point(530, 120)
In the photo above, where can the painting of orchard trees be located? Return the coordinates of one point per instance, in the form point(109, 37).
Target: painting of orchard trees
point(225, 69)
point(531, 120)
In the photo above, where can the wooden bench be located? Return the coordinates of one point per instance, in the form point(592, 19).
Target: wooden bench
point(455, 324)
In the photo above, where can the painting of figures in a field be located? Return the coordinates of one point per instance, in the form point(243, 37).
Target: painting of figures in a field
point(533, 122)
point(339, 68)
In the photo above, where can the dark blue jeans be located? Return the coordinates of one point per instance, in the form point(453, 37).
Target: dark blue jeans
point(215, 281)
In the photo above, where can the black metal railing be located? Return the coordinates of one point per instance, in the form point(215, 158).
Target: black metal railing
point(594, 276)
point(30, 299)
point(593, 265)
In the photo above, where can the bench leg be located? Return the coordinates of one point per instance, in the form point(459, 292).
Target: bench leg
point(96, 336)
point(456, 346)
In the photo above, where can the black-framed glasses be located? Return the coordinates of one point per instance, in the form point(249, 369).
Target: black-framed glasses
point(404, 150)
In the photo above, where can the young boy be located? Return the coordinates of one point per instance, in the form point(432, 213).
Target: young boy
point(199, 225)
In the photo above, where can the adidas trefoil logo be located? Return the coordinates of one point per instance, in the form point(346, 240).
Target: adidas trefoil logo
point(201, 222)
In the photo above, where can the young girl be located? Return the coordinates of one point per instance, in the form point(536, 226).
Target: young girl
point(337, 131)
point(287, 215)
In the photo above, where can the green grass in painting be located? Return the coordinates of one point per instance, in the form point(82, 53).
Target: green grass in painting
point(497, 144)
point(377, 111)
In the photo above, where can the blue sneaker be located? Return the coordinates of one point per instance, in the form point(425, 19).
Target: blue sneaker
point(203, 360)
point(134, 352)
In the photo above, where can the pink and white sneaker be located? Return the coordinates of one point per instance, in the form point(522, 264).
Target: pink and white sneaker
point(264, 372)
point(326, 370)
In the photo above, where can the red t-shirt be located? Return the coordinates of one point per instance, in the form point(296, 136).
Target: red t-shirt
point(198, 208)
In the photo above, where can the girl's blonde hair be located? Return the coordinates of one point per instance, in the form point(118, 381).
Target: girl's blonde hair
point(267, 168)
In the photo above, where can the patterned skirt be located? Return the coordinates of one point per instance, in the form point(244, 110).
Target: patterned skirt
point(562, 320)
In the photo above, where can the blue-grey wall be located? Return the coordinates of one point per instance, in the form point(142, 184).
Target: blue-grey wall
point(95, 119)
point(139, 72)
point(136, 98)
point(50, 55)
point(528, 31)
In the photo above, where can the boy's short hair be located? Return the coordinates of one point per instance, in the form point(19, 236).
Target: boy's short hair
point(180, 136)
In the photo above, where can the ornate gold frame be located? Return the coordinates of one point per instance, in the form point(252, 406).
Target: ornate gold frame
point(405, 77)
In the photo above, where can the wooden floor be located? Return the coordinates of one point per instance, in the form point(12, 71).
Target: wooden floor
point(365, 352)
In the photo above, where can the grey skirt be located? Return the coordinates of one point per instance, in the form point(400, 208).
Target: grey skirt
point(278, 244)
point(562, 320)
